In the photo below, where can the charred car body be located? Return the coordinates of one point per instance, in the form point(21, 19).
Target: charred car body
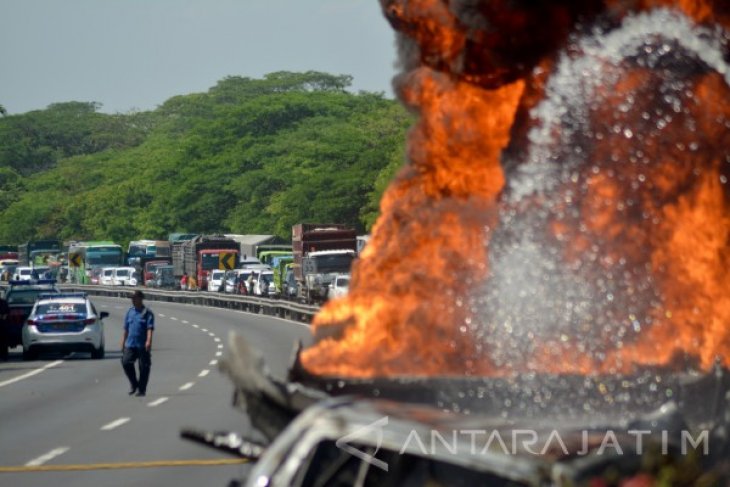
point(531, 430)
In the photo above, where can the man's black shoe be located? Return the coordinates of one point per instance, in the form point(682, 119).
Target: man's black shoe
point(132, 391)
point(140, 394)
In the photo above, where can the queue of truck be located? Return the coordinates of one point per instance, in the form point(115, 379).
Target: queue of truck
point(311, 269)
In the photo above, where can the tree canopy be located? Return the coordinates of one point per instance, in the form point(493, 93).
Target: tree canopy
point(247, 156)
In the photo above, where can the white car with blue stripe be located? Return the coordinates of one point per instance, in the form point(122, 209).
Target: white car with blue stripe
point(65, 322)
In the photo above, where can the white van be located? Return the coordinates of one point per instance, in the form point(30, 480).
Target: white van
point(215, 280)
point(339, 286)
point(107, 276)
point(264, 283)
point(122, 276)
point(23, 273)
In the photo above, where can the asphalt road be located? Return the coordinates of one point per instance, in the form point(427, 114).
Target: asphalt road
point(72, 414)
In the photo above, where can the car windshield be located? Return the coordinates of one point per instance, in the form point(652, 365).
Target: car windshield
point(343, 282)
point(103, 257)
point(25, 296)
point(60, 308)
point(333, 263)
point(122, 273)
point(24, 272)
point(137, 251)
point(210, 261)
point(217, 275)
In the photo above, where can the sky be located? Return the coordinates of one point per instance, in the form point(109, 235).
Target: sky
point(132, 55)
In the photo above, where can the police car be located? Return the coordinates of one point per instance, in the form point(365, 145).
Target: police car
point(64, 322)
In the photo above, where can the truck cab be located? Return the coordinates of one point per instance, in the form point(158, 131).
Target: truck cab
point(320, 269)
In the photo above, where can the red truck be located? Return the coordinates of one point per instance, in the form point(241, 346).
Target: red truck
point(9, 252)
point(200, 255)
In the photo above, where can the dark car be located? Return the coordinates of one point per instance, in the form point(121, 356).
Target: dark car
point(20, 297)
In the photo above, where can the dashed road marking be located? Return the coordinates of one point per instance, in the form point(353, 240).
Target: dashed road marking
point(195, 326)
point(173, 318)
point(211, 334)
point(157, 402)
point(185, 321)
point(218, 354)
point(114, 424)
point(36, 462)
point(187, 386)
point(203, 373)
point(220, 346)
point(213, 362)
point(204, 330)
point(161, 315)
point(31, 373)
point(216, 339)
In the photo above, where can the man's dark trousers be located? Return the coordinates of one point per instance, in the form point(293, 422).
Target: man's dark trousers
point(129, 356)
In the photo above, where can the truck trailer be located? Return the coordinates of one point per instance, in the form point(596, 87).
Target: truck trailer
point(200, 255)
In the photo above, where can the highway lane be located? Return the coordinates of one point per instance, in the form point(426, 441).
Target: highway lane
point(75, 411)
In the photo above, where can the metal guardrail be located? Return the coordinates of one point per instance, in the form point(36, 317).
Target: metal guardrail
point(271, 307)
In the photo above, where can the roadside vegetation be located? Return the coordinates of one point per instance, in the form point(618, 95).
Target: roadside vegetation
point(248, 156)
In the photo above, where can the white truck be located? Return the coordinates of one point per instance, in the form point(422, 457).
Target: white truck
point(321, 251)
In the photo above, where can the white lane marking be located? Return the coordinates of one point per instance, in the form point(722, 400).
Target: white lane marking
point(196, 326)
point(185, 321)
point(220, 346)
point(161, 315)
point(204, 330)
point(36, 462)
point(173, 318)
point(213, 362)
point(218, 354)
point(117, 307)
point(203, 373)
point(211, 334)
point(216, 339)
point(31, 373)
point(114, 424)
point(187, 386)
point(157, 402)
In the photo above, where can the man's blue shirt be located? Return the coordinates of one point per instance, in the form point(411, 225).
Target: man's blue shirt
point(136, 323)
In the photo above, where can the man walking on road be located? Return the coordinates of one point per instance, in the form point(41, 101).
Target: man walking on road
point(139, 325)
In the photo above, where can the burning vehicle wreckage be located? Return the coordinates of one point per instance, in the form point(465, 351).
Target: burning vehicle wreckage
point(530, 430)
point(543, 300)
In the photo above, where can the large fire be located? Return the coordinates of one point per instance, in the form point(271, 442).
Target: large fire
point(639, 227)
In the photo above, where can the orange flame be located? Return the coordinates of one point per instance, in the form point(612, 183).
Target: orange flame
point(438, 211)
point(652, 214)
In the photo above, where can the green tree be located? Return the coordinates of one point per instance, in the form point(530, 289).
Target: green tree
point(248, 156)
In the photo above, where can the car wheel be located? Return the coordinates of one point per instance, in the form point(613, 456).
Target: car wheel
point(29, 354)
point(98, 353)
